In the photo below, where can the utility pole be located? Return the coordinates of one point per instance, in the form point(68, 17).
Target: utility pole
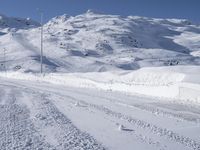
point(41, 50)
point(41, 41)
point(4, 56)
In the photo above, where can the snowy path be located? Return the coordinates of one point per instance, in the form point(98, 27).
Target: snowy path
point(38, 124)
point(42, 115)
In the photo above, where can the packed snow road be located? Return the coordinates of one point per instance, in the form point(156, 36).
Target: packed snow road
point(39, 115)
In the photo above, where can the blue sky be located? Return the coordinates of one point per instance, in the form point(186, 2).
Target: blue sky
point(189, 9)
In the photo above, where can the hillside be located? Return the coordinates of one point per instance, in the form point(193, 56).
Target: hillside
point(93, 42)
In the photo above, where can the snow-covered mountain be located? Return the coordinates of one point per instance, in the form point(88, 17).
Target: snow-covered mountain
point(93, 99)
point(98, 42)
point(16, 23)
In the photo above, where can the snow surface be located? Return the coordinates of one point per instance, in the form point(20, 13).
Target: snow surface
point(43, 115)
point(168, 82)
point(110, 82)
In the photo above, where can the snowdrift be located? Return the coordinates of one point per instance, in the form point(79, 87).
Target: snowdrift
point(169, 82)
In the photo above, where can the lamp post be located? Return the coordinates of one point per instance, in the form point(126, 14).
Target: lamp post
point(41, 41)
point(4, 55)
point(41, 50)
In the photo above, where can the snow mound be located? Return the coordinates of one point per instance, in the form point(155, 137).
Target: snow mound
point(169, 82)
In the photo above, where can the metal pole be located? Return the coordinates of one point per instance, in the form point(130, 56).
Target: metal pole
point(41, 52)
point(5, 69)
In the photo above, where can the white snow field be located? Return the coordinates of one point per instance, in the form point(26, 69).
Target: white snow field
point(110, 82)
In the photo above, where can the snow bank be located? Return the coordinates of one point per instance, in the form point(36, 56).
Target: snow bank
point(190, 92)
point(169, 82)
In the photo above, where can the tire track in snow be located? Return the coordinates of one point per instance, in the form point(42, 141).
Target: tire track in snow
point(160, 112)
point(67, 136)
point(162, 132)
point(143, 139)
point(149, 108)
point(152, 109)
point(17, 131)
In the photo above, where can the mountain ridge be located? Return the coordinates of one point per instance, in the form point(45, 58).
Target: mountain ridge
point(98, 42)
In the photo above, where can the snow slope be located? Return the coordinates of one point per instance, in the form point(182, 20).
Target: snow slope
point(94, 42)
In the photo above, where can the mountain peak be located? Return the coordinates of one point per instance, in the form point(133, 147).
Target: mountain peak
point(59, 19)
point(91, 11)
